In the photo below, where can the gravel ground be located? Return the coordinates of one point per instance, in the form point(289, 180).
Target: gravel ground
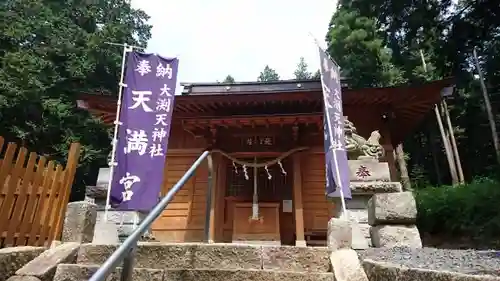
point(463, 261)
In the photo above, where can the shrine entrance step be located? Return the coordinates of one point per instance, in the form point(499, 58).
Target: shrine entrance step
point(193, 261)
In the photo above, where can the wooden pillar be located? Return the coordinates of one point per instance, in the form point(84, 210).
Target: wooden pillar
point(297, 201)
point(219, 195)
point(210, 204)
point(214, 201)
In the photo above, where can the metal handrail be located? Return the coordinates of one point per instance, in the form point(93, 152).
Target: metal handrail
point(126, 250)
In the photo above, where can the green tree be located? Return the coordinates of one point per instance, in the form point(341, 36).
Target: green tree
point(268, 74)
point(52, 51)
point(301, 72)
point(316, 75)
point(229, 79)
point(356, 45)
point(446, 32)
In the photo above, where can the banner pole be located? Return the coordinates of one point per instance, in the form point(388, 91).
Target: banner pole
point(114, 141)
point(339, 184)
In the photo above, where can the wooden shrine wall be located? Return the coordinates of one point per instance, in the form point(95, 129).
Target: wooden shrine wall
point(316, 208)
point(184, 218)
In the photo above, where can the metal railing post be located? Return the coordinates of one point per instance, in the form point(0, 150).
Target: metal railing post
point(128, 265)
point(209, 198)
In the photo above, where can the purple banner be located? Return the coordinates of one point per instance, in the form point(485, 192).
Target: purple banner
point(336, 165)
point(145, 116)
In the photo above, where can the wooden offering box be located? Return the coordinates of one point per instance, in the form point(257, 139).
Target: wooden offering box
point(266, 229)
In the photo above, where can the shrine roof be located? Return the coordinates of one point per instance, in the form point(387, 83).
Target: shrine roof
point(407, 103)
point(254, 87)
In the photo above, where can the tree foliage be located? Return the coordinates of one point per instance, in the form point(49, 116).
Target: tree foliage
point(379, 43)
point(52, 51)
point(469, 210)
point(229, 79)
point(268, 75)
point(316, 75)
point(301, 72)
point(356, 44)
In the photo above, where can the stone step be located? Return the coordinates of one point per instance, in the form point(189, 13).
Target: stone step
point(66, 272)
point(215, 256)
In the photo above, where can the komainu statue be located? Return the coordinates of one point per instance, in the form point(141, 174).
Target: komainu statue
point(357, 146)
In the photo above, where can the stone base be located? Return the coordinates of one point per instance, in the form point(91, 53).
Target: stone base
point(395, 236)
point(300, 243)
point(258, 243)
point(339, 234)
point(346, 266)
point(392, 208)
point(125, 221)
point(106, 232)
point(359, 241)
point(79, 222)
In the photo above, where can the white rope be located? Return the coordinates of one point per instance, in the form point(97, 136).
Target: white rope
point(268, 174)
point(264, 164)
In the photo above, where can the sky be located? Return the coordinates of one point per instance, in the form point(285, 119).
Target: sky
point(215, 38)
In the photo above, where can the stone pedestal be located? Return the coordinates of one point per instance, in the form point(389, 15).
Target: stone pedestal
point(122, 222)
point(79, 222)
point(368, 176)
point(339, 235)
point(392, 217)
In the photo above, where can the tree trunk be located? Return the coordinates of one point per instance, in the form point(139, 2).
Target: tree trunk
point(489, 111)
point(447, 149)
point(403, 170)
point(453, 142)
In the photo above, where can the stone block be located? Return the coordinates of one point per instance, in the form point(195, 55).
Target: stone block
point(346, 266)
point(44, 266)
point(339, 234)
point(358, 202)
point(23, 278)
point(377, 270)
point(55, 243)
point(13, 258)
point(226, 256)
point(392, 208)
point(373, 187)
point(103, 177)
point(125, 222)
point(106, 232)
point(395, 236)
point(79, 223)
point(245, 274)
point(365, 229)
point(358, 215)
point(359, 241)
point(121, 217)
point(287, 258)
point(185, 255)
point(369, 170)
point(67, 272)
point(148, 255)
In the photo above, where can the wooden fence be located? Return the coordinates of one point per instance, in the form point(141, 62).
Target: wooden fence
point(33, 195)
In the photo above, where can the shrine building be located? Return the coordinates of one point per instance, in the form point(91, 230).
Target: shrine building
point(279, 127)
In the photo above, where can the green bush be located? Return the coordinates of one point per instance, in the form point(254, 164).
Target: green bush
point(471, 210)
